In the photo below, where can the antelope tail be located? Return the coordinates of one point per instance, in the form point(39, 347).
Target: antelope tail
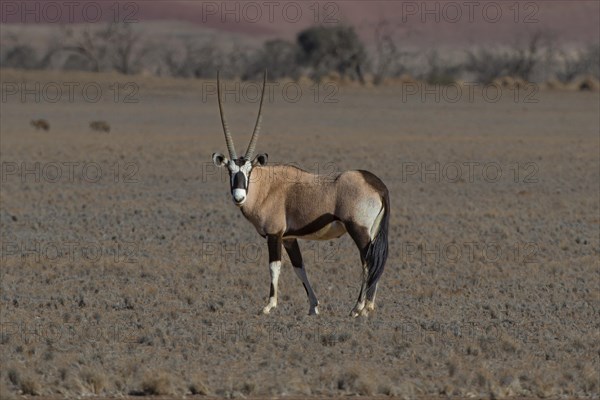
point(377, 251)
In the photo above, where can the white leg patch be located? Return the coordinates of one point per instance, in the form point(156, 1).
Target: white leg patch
point(368, 214)
point(375, 227)
point(274, 268)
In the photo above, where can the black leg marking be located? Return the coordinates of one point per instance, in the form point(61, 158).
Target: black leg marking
point(305, 289)
point(293, 250)
point(274, 244)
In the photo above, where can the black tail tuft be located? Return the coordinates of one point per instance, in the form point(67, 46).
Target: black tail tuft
point(377, 250)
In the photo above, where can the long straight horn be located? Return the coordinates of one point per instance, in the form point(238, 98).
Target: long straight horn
point(254, 137)
point(228, 139)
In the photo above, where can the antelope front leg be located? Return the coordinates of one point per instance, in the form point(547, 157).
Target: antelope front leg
point(274, 243)
point(293, 250)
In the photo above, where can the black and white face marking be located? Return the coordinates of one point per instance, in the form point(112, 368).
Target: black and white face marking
point(239, 174)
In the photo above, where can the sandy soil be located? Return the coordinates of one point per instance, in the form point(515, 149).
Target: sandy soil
point(133, 273)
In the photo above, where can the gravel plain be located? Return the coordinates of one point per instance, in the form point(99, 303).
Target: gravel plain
point(127, 270)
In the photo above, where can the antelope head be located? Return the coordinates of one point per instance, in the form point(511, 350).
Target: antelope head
point(239, 168)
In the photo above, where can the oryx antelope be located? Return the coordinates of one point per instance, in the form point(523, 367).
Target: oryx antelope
point(284, 210)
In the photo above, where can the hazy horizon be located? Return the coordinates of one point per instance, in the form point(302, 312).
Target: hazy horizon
point(434, 24)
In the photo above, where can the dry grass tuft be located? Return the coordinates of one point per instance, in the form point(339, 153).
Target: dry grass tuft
point(197, 386)
point(93, 380)
point(160, 383)
point(590, 378)
point(30, 386)
point(14, 376)
point(588, 83)
point(554, 84)
point(353, 381)
point(5, 393)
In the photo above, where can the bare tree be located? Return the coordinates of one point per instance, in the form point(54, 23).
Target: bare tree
point(127, 49)
point(387, 57)
point(189, 57)
point(23, 56)
point(178, 58)
point(279, 56)
point(439, 71)
point(115, 46)
point(91, 46)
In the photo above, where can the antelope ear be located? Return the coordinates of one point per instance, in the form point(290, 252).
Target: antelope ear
point(219, 159)
point(260, 159)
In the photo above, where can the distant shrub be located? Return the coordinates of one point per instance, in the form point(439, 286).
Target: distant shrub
point(517, 61)
point(337, 48)
point(279, 56)
point(583, 62)
point(20, 57)
point(440, 72)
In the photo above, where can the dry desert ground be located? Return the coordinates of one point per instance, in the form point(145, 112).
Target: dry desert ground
point(127, 270)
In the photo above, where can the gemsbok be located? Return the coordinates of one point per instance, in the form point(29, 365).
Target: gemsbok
point(284, 210)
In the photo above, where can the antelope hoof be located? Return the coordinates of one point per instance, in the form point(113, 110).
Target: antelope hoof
point(313, 311)
point(358, 310)
point(370, 305)
point(359, 313)
point(268, 307)
point(266, 310)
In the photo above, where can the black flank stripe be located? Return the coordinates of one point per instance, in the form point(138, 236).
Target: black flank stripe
point(314, 226)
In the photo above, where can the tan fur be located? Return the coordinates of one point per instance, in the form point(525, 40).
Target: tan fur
point(283, 198)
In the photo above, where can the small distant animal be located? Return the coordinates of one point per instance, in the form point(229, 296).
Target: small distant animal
point(100, 126)
point(40, 124)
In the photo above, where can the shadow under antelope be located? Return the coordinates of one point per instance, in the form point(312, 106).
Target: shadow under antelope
point(308, 207)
